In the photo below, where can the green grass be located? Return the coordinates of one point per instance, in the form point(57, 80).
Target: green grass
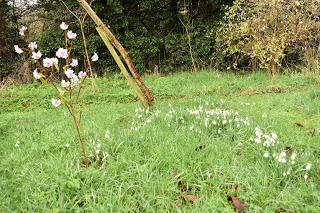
point(133, 170)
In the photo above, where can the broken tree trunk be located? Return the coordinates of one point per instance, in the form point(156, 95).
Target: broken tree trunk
point(123, 69)
point(108, 34)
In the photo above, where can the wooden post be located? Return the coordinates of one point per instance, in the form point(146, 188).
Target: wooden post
point(108, 34)
point(123, 69)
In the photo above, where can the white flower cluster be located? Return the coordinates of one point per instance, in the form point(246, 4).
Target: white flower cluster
point(197, 119)
point(272, 148)
point(223, 117)
point(217, 121)
point(267, 140)
point(247, 104)
point(97, 156)
point(143, 117)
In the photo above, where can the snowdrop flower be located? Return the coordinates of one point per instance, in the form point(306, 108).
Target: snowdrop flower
point(63, 26)
point(293, 156)
point(274, 136)
point(95, 57)
point(82, 74)
point(62, 53)
point(74, 63)
point(23, 30)
point(17, 49)
point(33, 46)
point(69, 73)
point(266, 154)
point(36, 55)
point(308, 167)
point(36, 74)
point(286, 173)
point(281, 157)
point(107, 135)
point(305, 176)
point(17, 144)
point(55, 102)
point(258, 131)
point(71, 35)
point(257, 140)
point(65, 84)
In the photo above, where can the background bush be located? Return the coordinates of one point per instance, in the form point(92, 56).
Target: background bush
point(235, 34)
point(269, 34)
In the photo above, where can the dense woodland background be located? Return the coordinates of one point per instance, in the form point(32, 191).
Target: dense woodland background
point(164, 35)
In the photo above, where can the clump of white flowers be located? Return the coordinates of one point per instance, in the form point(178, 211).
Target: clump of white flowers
point(271, 147)
point(217, 121)
point(97, 155)
point(198, 119)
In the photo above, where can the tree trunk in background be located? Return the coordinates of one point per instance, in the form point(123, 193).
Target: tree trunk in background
point(121, 50)
point(2, 47)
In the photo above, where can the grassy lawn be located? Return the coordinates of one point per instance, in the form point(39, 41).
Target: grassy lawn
point(210, 137)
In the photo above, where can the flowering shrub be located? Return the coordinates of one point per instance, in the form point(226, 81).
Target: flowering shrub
point(69, 90)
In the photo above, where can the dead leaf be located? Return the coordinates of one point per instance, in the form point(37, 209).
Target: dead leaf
point(178, 204)
point(181, 185)
point(283, 210)
point(236, 203)
point(299, 124)
point(313, 132)
point(235, 186)
point(191, 198)
point(201, 147)
point(274, 89)
point(289, 150)
point(25, 103)
point(175, 174)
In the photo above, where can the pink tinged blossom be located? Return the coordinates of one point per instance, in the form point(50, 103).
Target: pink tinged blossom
point(62, 53)
point(55, 61)
point(33, 46)
point(23, 30)
point(71, 35)
point(69, 73)
point(65, 84)
point(94, 57)
point(55, 102)
point(17, 49)
point(63, 26)
point(82, 74)
point(36, 74)
point(36, 55)
point(74, 80)
point(74, 63)
point(47, 62)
